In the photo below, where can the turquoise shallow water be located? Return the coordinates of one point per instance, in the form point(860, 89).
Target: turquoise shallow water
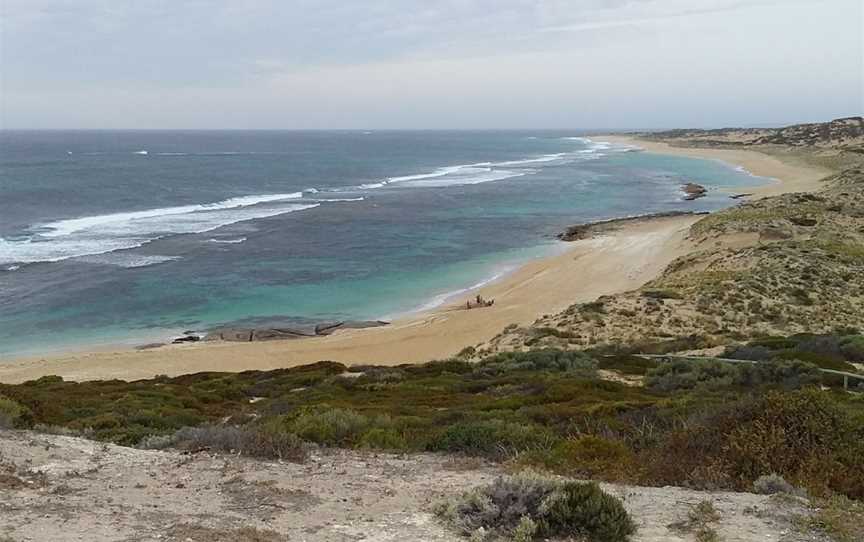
point(110, 237)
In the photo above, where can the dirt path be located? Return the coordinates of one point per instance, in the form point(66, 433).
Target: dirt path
point(55, 488)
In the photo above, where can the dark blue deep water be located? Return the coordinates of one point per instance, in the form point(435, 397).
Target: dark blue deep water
point(125, 236)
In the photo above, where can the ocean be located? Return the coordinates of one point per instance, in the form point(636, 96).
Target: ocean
point(127, 237)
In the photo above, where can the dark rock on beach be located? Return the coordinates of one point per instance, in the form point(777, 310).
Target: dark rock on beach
point(330, 327)
point(186, 339)
point(803, 221)
point(693, 191)
point(149, 346)
point(589, 229)
point(245, 334)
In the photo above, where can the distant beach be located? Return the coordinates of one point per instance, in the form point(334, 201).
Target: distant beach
point(790, 177)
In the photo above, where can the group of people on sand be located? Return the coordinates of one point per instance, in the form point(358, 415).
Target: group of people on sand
point(479, 302)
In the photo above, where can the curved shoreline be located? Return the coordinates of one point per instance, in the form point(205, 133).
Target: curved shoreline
point(798, 177)
point(617, 261)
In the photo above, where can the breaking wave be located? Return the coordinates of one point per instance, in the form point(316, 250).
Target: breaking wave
point(102, 234)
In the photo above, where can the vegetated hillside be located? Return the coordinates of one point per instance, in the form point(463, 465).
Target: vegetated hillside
point(551, 409)
point(778, 426)
point(781, 265)
point(846, 134)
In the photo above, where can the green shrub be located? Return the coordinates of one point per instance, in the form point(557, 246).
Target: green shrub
point(537, 360)
point(383, 439)
point(714, 375)
point(12, 413)
point(830, 351)
point(804, 436)
point(771, 484)
point(256, 441)
point(824, 361)
point(492, 438)
point(332, 427)
point(691, 374)
point(631, 365)
point(852, 347)
point(591, 457)
point(677, 344)
point(584, 510)
point(529, 507)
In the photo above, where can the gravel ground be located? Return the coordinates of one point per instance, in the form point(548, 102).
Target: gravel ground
point(65, 489)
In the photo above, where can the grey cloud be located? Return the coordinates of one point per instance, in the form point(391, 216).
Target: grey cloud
point(405, 63)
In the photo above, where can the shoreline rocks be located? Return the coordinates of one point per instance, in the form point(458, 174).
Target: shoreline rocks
point(693, 191)
point(247, 334)
point(587, 230)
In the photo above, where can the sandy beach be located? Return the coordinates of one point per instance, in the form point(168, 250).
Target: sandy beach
point(792, 175)
point(618, 261)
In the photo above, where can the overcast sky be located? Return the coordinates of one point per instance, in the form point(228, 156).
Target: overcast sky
point(428, 63)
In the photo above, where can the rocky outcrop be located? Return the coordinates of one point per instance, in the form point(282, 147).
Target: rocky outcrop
point(247, 334)
point(693, 191)
point(590, 229)
point(188, 338)
point(330, 327)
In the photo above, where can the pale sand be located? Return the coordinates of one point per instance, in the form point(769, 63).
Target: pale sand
point(622, 260)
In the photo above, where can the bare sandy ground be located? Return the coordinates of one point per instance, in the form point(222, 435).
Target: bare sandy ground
point(621, 260)
point(55, 488)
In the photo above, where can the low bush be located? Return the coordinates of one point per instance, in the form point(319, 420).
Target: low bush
point(832, 351)
point(698, 424)
point(804, 436)
point(677, 344)
point(530, 507)
point(852, 347)
point(715, 375)
point(537, 360)
point(631, 365)
point(771, 484)
point(588, 456)
point(691, 374)
point(491, 438)
point(12, 413)
point(383, 439)
point(256, 441)
point(332, 427)
point(662, 294)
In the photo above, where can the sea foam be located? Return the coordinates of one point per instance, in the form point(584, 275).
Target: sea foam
point(102, 234)
point(127, 259)
point(66, 227)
